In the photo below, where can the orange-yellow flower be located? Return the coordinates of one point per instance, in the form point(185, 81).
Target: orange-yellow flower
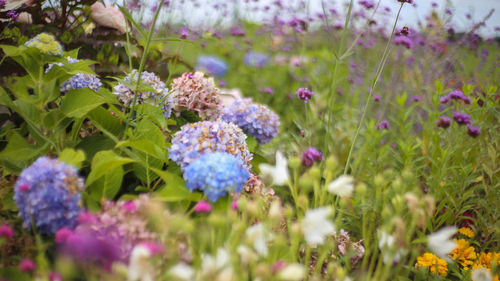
point(431, 261)
point(464, 253)
point(467, 231)
point(485, 259)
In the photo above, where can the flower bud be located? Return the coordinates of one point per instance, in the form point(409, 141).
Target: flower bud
point(303, 202)
point(331, 163)
point(397, 184)
point(361, 189)
point(315, 173)
point(294, 162)
point(379, 180)
point(305, 183)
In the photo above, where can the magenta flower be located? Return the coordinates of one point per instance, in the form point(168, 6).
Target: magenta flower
point(202, 207)
point(444, 122)
point(26, 265)
point(54, 276)
point(383, 125)
point(6, 231)
point(234, 205)
point(62, 235)
point(461, 118)
point(377, 98)
point(311, 155)
point(304, 94)
point(473, 131)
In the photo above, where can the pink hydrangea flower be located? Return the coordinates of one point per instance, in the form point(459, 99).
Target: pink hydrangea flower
point(202, 207)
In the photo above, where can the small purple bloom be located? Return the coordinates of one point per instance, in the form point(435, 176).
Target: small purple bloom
point(445, 99)
point(461, 118)
point(473, 131)
point(383, 125)
point(403, 40)
point(236, 31)
point(416, 98)
point(13, 15)
point(256, 59)
point(311, 155)
point(377, 98)
point(304, 94)
point(3, 3)
point(444, 122)
point(184, 32)
point(367, 4)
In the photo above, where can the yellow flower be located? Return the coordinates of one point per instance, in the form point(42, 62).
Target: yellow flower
point(467, 231)
point(464, 253)
point(431, 261)
point(46, 43)
point(485, 260)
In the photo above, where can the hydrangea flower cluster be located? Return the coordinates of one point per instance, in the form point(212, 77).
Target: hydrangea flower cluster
point(46, 43)
point(159, 97)
point(216, 174)
point(256, 59)
point(78, 81)
point(194, 92)
point(109, 235)
point(195, 139)
point(254, 119)
point(212, 66)
point(47, 194)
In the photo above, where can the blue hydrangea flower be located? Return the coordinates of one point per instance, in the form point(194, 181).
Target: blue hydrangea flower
point(212, 65)
point(159, 96)
point(256, 59)
point(46, 43)
point(254, 119)
point(78, 81)
point(48, 192)
point(196, 139)
point(216, 174)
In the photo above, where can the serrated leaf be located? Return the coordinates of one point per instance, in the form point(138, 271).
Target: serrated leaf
point(103, 162)
point(78, 102)
point(147, 147)
point(174, 189)
point(72, 157)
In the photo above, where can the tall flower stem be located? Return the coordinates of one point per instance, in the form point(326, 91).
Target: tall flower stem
point(334, 78)
point(144, 57)
point(372, 87)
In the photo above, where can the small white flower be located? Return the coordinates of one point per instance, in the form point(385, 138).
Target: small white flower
point(293, 272)
point(140, 268)
point(386, 245)
point(259, 236)
point(481, 274)
point(182, 271)
point(279, 173)
point(342, 186)
point(218, 265)
point(246, 254)
point(440, 242)
point(315, 225)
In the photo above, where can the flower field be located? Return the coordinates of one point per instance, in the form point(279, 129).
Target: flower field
point(247, 140)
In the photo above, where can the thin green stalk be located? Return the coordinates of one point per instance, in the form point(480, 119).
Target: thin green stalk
point(143, 60)
point(334, 78)
point(374, 83)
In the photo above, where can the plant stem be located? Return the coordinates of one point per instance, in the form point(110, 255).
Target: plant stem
point(334, 78)
point(374, 83)
point(143, 60)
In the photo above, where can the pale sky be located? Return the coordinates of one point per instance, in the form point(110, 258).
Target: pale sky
point(204, 15)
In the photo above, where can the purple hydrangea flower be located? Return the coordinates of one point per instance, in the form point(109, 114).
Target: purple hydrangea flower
point(216, 174)
point(212, 66)
point(254, 119)
point(461, 118)
point(108, 236)
point(79, 80)
point(256, 59)
point(304, 94)
point(196, 139)
point(48, 194)
point(159, 96)
point(311, 155)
